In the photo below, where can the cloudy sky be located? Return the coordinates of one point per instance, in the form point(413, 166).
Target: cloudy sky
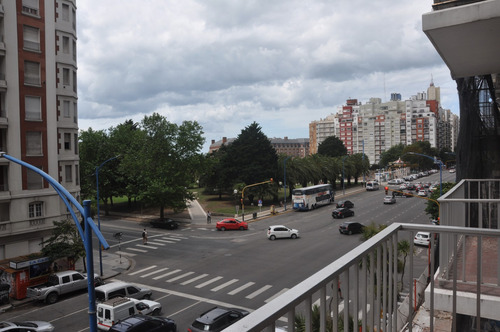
point(228, 63)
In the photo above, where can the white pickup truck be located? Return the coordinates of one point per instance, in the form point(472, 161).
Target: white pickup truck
point(60, 283)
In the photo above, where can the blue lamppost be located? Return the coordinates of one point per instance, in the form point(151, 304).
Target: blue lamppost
point(86, 236)
point(98, 212)
point(436, 161)
point(284, 176)
point(343, 176)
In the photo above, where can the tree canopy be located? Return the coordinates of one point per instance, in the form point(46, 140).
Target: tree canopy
point(332, 146)
point(158, 161)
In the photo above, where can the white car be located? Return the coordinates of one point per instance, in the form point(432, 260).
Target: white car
point(280, 231)
point(422, 193)
point(147, 307)
point(34, 325)
point(422, 238)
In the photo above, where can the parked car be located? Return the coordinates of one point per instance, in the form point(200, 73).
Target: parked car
point(139, 323)
point(61, 283)
point(119, 308)
point(280, 231)
point(216, 319)
point(351, 227)
point(342, 213)
point(123, 289)
point(422, 238)
point(389, 200)
point(231, 223)
point(28, 326)
point(165, 223)
point(345, 204)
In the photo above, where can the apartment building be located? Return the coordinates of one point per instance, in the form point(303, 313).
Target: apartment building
point(38, 119)
point(375, 127)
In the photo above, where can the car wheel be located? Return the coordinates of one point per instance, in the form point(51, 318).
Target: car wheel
point(353, 214)
point(342, 216)
point(242, 228)
point(147, 297)
point(294, 236)
point(52, 298)
point(272, 238)
point(156, 312)
point(350, 232)
point(223, 229)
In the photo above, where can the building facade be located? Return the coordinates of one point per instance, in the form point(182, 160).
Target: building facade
point(38, 119)
point(375, 127)
point(294, 147)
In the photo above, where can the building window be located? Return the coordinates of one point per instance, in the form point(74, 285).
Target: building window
point(67, 141)
point(74, 81)
point(75, 115)
point(66, 105)
point(30, 7)
point(31, 38)
point(76, 143)
point(31, 73)
point(74, 50)
point(34, 143)
point(65, 76)
point(65, 45)
point(35, 210)
point(34, 180)
point(32, 108)
point(65, 12)
point(77, 175)
point(68, 173)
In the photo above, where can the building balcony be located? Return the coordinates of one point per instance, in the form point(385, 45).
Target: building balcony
point(464, 34)
point(460, 285)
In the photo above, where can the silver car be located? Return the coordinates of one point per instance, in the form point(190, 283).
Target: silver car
point(280, 231)
point(34, 325)
point(389, 200)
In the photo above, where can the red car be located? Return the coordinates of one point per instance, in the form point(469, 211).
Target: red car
point(231, 223)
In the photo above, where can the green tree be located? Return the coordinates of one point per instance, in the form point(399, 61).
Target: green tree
point(332, 146)
point(391, 155)
point(95, 148)
point(65, 242)
point(432, 209)
point(250, 158)
point(166, 159)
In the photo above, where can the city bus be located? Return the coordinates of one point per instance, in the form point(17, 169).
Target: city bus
point(308, 198)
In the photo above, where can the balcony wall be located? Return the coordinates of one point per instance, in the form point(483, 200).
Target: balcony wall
point(465, 35)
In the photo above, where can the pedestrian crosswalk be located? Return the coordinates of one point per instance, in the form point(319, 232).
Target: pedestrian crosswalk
point(132, 249)
point(214, 283)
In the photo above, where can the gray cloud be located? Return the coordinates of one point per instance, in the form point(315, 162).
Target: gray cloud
point(228, 63)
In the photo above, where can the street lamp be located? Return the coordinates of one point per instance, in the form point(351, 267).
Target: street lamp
point(284, 176)
point(98, 213)
point(343, 177)
point(436, 161)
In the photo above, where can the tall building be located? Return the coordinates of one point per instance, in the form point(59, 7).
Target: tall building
point(375, 127)
point(38, 119)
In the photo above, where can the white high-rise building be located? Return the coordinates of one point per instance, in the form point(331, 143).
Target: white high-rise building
point(38, 119)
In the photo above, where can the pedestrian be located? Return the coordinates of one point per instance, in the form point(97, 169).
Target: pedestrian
point(209, 217)
point(144, 237)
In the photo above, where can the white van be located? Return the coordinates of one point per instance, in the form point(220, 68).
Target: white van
point(119, 308)
point(121, 289)
point(372, 185)
point(113, 310)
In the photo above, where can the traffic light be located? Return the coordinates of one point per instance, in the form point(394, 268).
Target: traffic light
point(386, 190)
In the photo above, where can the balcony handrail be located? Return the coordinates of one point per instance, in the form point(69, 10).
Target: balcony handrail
point(265, 317)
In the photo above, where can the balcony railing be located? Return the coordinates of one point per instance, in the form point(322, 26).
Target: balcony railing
point(370, 279)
